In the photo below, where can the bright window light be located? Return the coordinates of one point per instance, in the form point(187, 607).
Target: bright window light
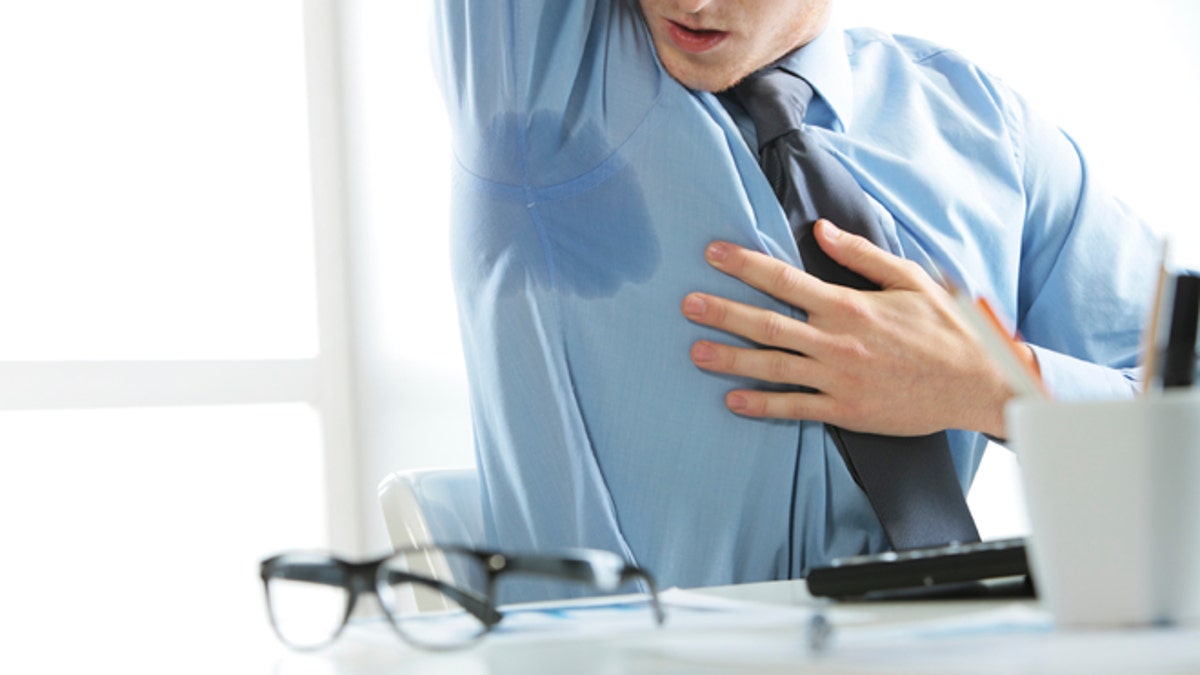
point(156, 181)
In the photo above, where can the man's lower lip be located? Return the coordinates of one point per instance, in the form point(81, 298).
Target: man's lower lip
point(692, 41)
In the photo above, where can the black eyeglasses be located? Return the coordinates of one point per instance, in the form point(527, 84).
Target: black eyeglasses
point(439, 597)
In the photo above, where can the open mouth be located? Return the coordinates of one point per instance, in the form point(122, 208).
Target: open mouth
point(693, 40)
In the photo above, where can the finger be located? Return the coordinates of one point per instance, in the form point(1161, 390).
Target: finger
point(864, 257)
point(814, 406)
point(771, 276)
point(761, 326)
point(764, 365)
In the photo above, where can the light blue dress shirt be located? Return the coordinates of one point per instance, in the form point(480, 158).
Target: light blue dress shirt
point(586, 187)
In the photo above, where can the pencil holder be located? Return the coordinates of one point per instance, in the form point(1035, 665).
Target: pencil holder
point(1113, 495)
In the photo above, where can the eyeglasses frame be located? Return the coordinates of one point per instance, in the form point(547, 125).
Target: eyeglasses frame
point(598, 568)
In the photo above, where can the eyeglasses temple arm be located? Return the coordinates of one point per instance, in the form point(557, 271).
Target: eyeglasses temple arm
point(632, 572)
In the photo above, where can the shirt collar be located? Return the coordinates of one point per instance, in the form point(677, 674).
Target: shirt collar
point(823, 62)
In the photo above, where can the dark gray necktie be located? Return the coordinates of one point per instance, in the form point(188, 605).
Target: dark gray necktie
point(910, 481)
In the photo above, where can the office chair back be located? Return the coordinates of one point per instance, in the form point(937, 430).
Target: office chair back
point(432, 506)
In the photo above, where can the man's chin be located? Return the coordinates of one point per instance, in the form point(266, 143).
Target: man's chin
point(701, 79)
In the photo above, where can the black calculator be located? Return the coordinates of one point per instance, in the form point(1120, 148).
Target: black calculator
point(997, 568)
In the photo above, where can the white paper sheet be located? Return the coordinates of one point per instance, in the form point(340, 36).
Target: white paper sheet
point(1011, 639)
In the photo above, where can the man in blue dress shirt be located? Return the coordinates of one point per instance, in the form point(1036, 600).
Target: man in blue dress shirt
point(632, 306)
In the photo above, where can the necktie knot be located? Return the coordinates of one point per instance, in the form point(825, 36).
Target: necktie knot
point(776, 101)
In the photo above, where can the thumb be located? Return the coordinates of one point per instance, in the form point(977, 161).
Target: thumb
point(860, 255)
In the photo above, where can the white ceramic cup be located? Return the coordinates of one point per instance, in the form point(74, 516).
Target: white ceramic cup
point(1113, 495)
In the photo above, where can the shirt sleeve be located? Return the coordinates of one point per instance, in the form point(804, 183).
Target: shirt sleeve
point(1087, 268)
point(537, 91)
point(527, 86)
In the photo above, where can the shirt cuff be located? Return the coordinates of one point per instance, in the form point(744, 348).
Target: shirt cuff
point(1070, 379)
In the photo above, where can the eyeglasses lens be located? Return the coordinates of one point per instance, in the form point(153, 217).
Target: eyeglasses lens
point(306, 614)
point(432, 614)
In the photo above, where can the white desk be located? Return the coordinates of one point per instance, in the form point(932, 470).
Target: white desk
point(868, 638)
point(193, 626)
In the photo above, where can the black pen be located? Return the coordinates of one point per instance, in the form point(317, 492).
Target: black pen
point(1179, 363)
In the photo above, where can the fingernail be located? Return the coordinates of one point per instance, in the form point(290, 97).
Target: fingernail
point(717, 252)
point(703, 352)
point(694, 305)
point(736, 402)
point(830, 230)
